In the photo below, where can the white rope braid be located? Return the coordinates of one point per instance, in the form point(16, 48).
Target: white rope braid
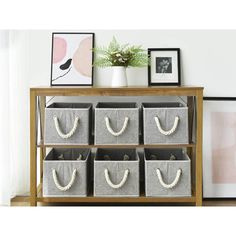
point(167, 132)
point(111, 130)
point(68, 186)
point(122, 182)
point(69, 134)
point(171, 185)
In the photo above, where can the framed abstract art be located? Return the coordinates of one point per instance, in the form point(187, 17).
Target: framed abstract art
point(164, 68)
point(219, 148)
point(72, 59)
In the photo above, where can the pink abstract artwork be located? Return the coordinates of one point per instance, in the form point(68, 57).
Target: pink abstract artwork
point(59, 49)
point(83, 57)
point(72, 59)
point(223, 137)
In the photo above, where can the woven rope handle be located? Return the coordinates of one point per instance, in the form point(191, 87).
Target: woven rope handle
point(167, 132)
point(171, 185)
point(69, 134)
point(111, 131)
point(58, 185)
point(122, 182)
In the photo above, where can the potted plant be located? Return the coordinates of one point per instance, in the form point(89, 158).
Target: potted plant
point(119, 57)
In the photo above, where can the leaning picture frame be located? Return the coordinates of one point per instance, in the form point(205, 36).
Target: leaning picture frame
point(164, 67)
point(72, 59)
point(219, 147)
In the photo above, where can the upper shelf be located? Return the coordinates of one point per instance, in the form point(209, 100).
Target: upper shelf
point(190, 145)
point(108, 91)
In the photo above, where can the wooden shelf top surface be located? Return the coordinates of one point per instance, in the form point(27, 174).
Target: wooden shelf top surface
point(108, 91)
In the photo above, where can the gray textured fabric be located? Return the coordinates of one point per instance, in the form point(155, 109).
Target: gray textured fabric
point(64, 171)
point(116, 112)
point(66, 114)
point(116, 167)
point(166, 113)
point(168, 169)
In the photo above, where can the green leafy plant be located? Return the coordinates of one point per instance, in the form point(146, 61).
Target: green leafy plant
point(120, 55)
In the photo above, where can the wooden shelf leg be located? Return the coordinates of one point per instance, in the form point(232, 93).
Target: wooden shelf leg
point(33, 150)
point(190, 102)
point(199, 148)
point(42, 149)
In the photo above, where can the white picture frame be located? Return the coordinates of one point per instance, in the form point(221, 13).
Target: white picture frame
point(219, 148)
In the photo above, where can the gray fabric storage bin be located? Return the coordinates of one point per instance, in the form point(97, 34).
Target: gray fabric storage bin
point(66, 115)
point(123, 174)
point(64, 173)
point(168, 183)
point(116, 114)
point(166, 114)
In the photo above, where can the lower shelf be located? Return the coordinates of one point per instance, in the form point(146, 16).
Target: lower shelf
point(92, 199)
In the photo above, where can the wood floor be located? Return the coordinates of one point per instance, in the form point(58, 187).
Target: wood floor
point(24, 201)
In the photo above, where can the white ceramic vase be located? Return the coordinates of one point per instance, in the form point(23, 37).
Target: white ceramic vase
point(119, 78)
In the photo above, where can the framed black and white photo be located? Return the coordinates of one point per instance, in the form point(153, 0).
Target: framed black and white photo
point(164, 68)
point(72, 59)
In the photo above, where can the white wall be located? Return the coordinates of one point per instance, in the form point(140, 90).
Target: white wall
point(207, 57)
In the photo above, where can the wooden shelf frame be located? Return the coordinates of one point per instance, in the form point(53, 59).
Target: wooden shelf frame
point(92, 199)
point(194, 149)
point(192, 145)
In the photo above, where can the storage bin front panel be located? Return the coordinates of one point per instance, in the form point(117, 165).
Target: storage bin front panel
point(131, 134)
point(102, 136)
point(151, 132)
point(166, 116)
point(152, 185)
point(116, 173)
point(117, 119)
point(64, 170)
point(184, 186)
point(168, 169)
point(181, 133)
point(66, 118)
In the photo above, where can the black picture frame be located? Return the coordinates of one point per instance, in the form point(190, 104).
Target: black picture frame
point(178, 79)
point(92, 73)
point(219, 98)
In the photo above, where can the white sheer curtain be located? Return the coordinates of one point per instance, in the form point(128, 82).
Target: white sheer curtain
point(14, 116)
point(5, 183)
point(19, 111)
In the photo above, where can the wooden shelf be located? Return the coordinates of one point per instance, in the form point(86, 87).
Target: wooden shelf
point(126, 91)
point(93, 199)
point(194, 150)
point(140, 199)
point(191, 145)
